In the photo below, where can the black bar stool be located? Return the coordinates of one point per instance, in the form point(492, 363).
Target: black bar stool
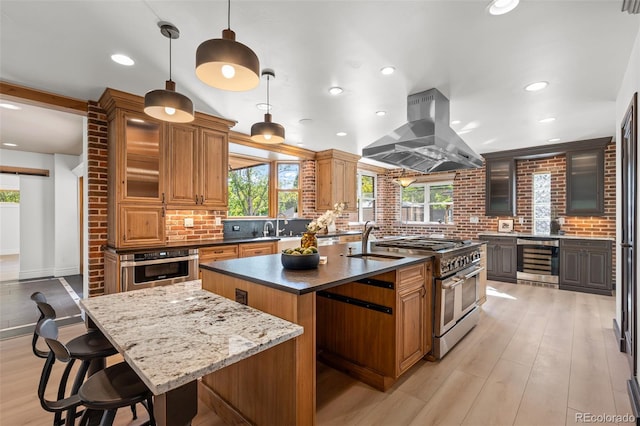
point(105, 391)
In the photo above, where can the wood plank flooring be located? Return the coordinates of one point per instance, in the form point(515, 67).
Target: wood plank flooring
point(538, 357)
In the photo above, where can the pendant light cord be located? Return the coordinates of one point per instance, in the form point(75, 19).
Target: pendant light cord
point(268, 104)
point(170, 58)
point(228, 14)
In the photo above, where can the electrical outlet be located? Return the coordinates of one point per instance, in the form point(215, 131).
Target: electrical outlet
point(561, 221)
point(218, 220)
point(521, 220)
point(235, 228)
point(242, 296)
point(474, 219)
point(188, 222)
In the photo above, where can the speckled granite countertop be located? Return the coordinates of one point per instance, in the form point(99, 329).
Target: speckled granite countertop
point(339, 269)
point(172, 335)
point(521, 234)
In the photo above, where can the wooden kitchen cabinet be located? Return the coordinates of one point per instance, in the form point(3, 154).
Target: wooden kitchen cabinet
point(197, 164)
point(585, 265)
point(585, 183)
point(336, 180)
point(141, 226)
point(502, 258)
point(258, 249)
point(500, 197)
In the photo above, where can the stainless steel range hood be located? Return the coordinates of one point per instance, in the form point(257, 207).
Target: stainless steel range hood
point(426, 143)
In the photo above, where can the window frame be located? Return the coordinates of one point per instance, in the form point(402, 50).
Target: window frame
point(427, 193)
point(270, 180)
point(359, 196)
point(275, 190)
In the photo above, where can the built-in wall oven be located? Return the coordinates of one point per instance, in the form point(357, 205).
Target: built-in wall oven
point(538, 260)
point(161, 267)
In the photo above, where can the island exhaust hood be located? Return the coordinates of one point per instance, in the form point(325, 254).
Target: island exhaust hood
point(426, 143)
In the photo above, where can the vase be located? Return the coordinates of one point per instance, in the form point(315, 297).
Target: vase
point(309, 239)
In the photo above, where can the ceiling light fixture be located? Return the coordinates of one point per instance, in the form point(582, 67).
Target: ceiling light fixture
point(534, 87)
point(167, 104)
point(341, 134)
point(335, 90)
point(404, 180)
point(381, 113)
point(456, 122)
point(547, 120)
point(387, 70)
point(227, 64)
point(500, 7)
point(10, 106)
point(9, 144)
point(267, 131)
point(121, 59)
point(554, 140)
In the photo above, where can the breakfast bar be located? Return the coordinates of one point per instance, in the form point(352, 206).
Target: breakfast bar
point(173, 335)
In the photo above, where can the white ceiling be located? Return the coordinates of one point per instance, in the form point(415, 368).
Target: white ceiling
point(480, 62)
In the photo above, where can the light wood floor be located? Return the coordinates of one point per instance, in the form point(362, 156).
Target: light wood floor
point(538, 357)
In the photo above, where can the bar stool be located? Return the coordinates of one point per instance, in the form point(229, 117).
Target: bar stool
point(102, 393)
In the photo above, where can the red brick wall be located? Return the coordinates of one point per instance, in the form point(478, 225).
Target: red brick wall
point(204, 225)
point(97, 199)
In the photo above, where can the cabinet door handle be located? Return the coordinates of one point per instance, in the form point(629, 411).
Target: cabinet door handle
point(196, 199)
point(219, 251)
point(202, 199)
point(163, 198)
point(163, 212)
point(124, 237)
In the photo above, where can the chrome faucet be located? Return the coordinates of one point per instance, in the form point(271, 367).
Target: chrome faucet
point(365, 236)
point(278, 230)
point(265, 229)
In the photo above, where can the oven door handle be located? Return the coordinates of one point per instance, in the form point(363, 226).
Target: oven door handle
point(475, 272)
point(126, 264)
point(452, 285)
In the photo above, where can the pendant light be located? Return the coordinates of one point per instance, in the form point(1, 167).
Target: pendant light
point(404, 180)
point(167, 104)
point(227, 64)
point(267, 131)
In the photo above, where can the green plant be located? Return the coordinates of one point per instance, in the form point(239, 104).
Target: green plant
point(9, 196)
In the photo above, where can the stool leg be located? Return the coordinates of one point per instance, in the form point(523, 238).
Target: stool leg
point(107, 418)
point(134, 411)
point(82, 372)
point(152, 420)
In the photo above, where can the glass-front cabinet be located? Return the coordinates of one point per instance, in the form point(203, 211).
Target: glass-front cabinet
point(585, 183)
point(500, 187)
point(143, 165)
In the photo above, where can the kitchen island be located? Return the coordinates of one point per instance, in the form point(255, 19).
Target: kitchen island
point(381, 308)
point(172, 335)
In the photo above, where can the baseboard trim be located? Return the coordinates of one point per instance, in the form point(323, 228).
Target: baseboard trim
point(618, 334)
point(36, 273)
point(634, 396)
point(70, 270)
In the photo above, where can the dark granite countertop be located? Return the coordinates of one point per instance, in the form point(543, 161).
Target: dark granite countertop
point(339, 269)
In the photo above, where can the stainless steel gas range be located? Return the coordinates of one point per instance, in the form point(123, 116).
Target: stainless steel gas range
point(455, 285)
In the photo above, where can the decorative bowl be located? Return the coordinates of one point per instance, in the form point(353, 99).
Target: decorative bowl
point(300, 261)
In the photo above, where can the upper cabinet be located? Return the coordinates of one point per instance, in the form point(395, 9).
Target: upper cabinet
point(336, 180)
point(500, 187)
point(153, 165)
point(197, 161)
point(585, 183)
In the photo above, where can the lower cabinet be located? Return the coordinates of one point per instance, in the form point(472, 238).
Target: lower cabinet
point(375, 329)
point(234, 251)
point(502, 258)
point(585, 265)
point(258, 249)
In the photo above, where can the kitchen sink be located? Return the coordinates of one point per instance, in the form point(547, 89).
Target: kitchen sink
point(375, 256)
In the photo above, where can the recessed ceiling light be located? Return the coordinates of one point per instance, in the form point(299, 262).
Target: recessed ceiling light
point(534, 87)
point(456, 122)
point(300, 144)
point(305, 121)
point(387, 70)
point(122, 59)
point(381, 113)
point(335, 90)
point(554, 139)
point(9, 106)
point(9, 144)
point(500, 7)
point(264, 106)
point(547, 120)
point(341, 134)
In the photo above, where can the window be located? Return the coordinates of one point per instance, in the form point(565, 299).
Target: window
point(542, 203)
point(249, 191)
point(288, 189)
point(427, 202)
point(366, 196)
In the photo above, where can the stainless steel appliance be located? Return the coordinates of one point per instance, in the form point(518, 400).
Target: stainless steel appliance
point(538, 259)
point(160, 267)
point(455, 285)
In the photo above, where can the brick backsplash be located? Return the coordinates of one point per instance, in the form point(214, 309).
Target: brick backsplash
point(204, 225)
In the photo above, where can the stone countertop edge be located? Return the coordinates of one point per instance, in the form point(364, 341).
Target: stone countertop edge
point(521, 234)
point(340, 269)
point(151, 335)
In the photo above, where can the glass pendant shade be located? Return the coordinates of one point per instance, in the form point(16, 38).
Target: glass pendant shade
point(404, 181)
point(267, 131)
point(168, 105)
point(227, 64)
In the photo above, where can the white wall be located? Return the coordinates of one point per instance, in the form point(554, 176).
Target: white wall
point(9, 218)
point(40, 201)
point(66, 216)
point(630, 85)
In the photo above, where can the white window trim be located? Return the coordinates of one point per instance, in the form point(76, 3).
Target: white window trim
point(374, 175)
point(426, 185)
